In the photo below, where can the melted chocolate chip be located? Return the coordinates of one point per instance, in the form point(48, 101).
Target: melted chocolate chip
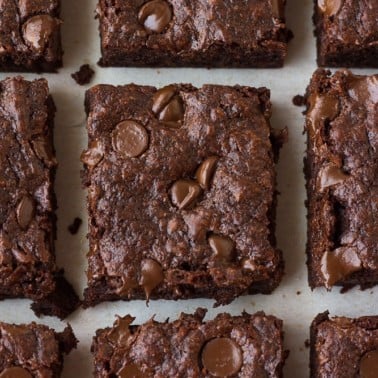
point(168, 106)
point(38, 30)
point(184, 193)
point(223, 248)
point(15, 372)
point(152, 276)
point(338, 264)
point(322, 107)
point(222, 357)
point(121, 330)
point(93, 155)
point(206, 171)
point(330, 175)
point(155, 15)
point(25, 212)
point(330, 7)
point(130, 138)
point(369, 364)
point(363, 88)
point(130, 371)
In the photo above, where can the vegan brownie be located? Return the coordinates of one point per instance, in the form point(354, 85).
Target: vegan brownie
point(33, 350)
point(228, 346)
point(181, 193)
point(27, 200)
point(347, 33)
point(218, 33)
point(30, 35)
point(342, 182)
point(343, 347)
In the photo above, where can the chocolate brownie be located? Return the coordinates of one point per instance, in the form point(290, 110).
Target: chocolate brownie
point(27, 201)
point(33, 350)
point(228, 346)
point(343, 347)
point(218, 33)
point(347, 32)
point(181, 193)
point(342, 183)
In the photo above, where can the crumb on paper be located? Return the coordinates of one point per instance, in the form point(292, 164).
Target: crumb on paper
point(307, 343)
point(84, 75)
point(299, 292)
point(73, 228)
point(299, 100)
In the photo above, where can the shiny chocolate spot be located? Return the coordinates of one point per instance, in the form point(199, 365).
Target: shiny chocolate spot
point(184, 193)
point(152, 276)
point(222, 357)
point(338, 264)
point(206, 171)
point(130, 138)
point(331, 175)
point(25, 212)
point(249, 264)
point(130, 371)
point(155, 15)
point(167, 105)
point(38, 30)
point(363, 88)
point(330, 7)
point(369, 364)
point(93, 155)
point(322, 107)
point(223, 248)
point(15, 372)
point(121, 330)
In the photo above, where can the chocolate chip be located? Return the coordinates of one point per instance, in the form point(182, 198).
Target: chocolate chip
point(152, 276)
point(184, 193)
point(338, 264)
point(155, 15)
point(206, 171)
point(121, 329)
point(330, 175)
point(369, 364)
point(223, 248)
point(93, 155)
point(222, 357)
point(130, 138)
point(38, 30)
point(330, 7)
point(15, 372)
point(168, 106)
point(25, 212)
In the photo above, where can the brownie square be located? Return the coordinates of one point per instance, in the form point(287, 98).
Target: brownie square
point(181, 193)
point(347, 33)
point(342, 182)
point(172, 33)
point(228, 346)
point(33, 350)
point(343, 347)
point(27, 200)
point(30, 36)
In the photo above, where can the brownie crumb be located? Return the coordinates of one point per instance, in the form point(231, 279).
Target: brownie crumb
point(299, 292)
point(84, 75)
point(299, 100)
point(73, 228)
point(307, 343)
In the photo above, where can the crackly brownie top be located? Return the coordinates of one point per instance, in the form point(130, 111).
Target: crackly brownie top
point(33, 350)
point(239, 346)
point(346, 347)
point(349, 22)
point(342, 124)
point(181, 184)
point(190, 25)
point(26, 164)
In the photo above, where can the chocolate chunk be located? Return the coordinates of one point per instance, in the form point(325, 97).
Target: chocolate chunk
point(168, 106)
point(369, 364)
point(84, 75)
point(152, 276)
point(130, 138)
point(25, 212)
point(155, 15)
point(121, 331)
point(38, 30)
point(184, 193)
point(322, 107)
point(206, 171)
point(93, 155)
point(330, 7)
point(15, 372)
point(338, 264)
point(74, 227)
point(222, 357)
point(330, 175)
point(130, 371)
point(223, 248)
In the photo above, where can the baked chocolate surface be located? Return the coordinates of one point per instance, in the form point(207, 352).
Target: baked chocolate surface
point(27, 200)
point(181, 193)
point(346, 32)
point(228, 346)
point(342, 183)
point(33, 350)
point(237, 33)
point(343, 347)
